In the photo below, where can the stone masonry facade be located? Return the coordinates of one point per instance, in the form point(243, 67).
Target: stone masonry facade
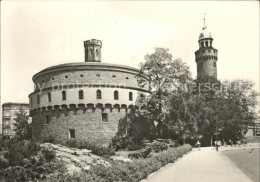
point(84, 101)
point(86, 122)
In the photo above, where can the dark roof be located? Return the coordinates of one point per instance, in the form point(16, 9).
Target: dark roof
point(15, 103)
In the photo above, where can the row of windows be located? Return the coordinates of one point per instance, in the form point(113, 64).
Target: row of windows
point(207, 44)
point(98, 75)
point(81, 96)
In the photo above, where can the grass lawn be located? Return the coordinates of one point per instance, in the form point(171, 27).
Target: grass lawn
point(247, 160)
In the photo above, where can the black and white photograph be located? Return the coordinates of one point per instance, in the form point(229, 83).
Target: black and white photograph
point(129, 91)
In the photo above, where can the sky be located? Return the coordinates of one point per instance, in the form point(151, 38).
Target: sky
point(39, 34)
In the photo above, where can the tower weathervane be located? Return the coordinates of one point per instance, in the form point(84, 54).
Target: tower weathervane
point(204, 19)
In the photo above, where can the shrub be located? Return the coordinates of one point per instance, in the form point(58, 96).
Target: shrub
point(134, 146)
point(140, 154)
point(158, 146)
point(125, 142)
point(22, 160)
point(48, 154)
point(120, 142)
point(3, 161)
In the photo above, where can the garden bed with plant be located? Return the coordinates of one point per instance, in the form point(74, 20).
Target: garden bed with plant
point(133, 171)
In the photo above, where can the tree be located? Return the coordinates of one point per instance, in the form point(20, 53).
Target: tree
point(238, 109)
point(229, 108)
point(165, 75)
point(22, 127)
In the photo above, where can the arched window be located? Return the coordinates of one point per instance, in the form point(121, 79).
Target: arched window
point(38, 99)
point(130, 96)
point(49, 97)
point(207, 44)
point(97, 52)
point(116, 95)
point(31, 101)
point(201, 44)
point(81, 94)
point(99, 94)
point(210, 43)
point(63, 95)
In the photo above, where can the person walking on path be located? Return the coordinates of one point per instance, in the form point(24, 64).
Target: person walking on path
point(197, 145)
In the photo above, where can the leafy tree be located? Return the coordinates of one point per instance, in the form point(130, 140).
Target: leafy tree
point(229, 109)
point(208, 86)
point(165, 75)
point(181, 119)
point(238, 108)
point(22, 127)
point(132, 129)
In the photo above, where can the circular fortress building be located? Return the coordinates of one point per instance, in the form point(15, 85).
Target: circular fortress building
point(84, 101)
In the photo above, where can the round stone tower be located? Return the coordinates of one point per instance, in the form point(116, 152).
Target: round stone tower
point(206, 57)
point(84, 101)
point(93, 50)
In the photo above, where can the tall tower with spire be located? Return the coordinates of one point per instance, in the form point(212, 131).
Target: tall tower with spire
point(206, 57)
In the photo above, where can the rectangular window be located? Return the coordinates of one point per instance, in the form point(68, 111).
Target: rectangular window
point(214, 64)
point(49, 97)
point(72, 133)
point(38, 99)
point(47, 119)
point(7, 122)
point(7, 113)
point(104, 118)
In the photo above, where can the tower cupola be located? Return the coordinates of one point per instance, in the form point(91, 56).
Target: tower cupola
point(93, 50)
point(205, 38)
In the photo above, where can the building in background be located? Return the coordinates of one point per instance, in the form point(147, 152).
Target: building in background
point(9, 111)
point(84, 100)
point(206, 57)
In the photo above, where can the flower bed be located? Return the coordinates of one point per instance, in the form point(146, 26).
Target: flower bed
point(135, 171)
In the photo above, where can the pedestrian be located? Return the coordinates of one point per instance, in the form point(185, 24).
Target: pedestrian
point(231, 142)
point(224, 143)
point(197, 145)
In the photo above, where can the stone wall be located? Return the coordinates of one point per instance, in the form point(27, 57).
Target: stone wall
point(86, 77)
point(87, 123)
point(206, 58)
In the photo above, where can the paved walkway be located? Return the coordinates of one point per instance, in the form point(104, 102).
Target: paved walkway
point(206, 165)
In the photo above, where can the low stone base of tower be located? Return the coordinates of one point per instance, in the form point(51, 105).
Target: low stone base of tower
point(85, 125)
